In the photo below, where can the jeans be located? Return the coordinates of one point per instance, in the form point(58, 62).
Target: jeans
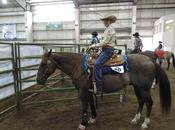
point(104, 56)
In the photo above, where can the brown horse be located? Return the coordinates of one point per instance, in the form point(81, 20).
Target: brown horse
point(167, 56)
point(141, 75)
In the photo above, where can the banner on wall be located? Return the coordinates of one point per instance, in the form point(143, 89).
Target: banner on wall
point(54, 26)
point(8, 31)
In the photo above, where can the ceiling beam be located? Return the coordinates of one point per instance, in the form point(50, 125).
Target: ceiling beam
point(134, 2)
point(22, 3)
point(103, 1)
point(76, 3)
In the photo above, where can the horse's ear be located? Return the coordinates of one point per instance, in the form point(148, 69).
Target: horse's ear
point(49, 53)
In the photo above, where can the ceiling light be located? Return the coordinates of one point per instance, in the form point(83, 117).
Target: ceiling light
point(91, 9)
point(169, 21)
point(4, 1)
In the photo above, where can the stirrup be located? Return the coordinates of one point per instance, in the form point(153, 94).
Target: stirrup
point(94, 87)
point(91, 90)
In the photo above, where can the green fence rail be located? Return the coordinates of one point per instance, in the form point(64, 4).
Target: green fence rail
point(13, 70)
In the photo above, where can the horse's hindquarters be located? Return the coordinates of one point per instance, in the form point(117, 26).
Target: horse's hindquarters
point(115, 82)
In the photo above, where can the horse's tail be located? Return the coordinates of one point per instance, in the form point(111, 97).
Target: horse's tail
point(173, 59)
point(164, 89)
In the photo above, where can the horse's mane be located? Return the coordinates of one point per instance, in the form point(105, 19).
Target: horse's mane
point(68, 55)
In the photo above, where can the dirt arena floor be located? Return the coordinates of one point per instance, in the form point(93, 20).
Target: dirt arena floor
point(112, 115)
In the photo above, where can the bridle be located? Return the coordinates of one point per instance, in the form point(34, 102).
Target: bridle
point(53, 61)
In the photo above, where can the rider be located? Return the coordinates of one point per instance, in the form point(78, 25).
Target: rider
point(95, 40)
point(83, 50)
point(107, 45)
point(137, 43)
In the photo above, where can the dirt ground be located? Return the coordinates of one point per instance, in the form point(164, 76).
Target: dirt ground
point(112, 115)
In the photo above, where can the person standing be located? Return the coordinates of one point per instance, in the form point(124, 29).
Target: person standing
point(160, 53)
point(138, 45)
point(160, 46)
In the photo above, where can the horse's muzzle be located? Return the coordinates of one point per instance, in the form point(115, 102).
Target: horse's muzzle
point(41, 81)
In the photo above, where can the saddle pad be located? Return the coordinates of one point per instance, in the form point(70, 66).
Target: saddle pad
point(117, 69)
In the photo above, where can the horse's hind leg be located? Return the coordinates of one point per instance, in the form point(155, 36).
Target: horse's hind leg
point(154, 83)
point(141, 104)
point(149, 103)
point(168, 62)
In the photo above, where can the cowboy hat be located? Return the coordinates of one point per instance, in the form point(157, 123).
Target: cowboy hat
point(112, 18)
point(160, 42)
point(136, 34)
point(94, 33)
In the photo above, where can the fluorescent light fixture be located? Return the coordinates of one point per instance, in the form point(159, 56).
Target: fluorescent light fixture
point(169, 21)
point(4, 1)
point(91, 9)
point(4, 27)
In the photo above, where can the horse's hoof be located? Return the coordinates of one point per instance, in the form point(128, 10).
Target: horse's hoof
point(144, 126)
point(134, 121)
point(152, 87)
point(81, 127)
point(92, 121)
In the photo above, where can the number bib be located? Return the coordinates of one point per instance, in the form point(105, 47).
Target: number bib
point(119, 69)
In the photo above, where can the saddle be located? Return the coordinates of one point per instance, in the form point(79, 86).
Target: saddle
point(116, 64)
point(113, 61)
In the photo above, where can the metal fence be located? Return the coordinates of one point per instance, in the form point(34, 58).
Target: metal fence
point(17, 71)
point(10, 58)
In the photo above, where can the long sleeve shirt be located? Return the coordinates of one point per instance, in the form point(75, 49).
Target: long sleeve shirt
point(109, 38)
point(94, 40)
point(138, 43)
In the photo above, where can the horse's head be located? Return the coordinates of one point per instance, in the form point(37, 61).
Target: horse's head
point(46, 68)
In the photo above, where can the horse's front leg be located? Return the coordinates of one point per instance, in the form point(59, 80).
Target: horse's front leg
point(92, 102)
point(84, 100)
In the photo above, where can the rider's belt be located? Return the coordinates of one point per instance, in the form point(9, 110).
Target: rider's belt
point(107, 47)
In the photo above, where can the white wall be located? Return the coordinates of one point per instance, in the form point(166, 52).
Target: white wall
point(90, 21)
point(164, 34)
point(65, 35)
point(40, 33)
point(62, 36)
point(148, 11)
point(14, 16)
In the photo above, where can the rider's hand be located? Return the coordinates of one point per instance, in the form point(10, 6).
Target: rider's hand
point(89, 47)
point(92, 46)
